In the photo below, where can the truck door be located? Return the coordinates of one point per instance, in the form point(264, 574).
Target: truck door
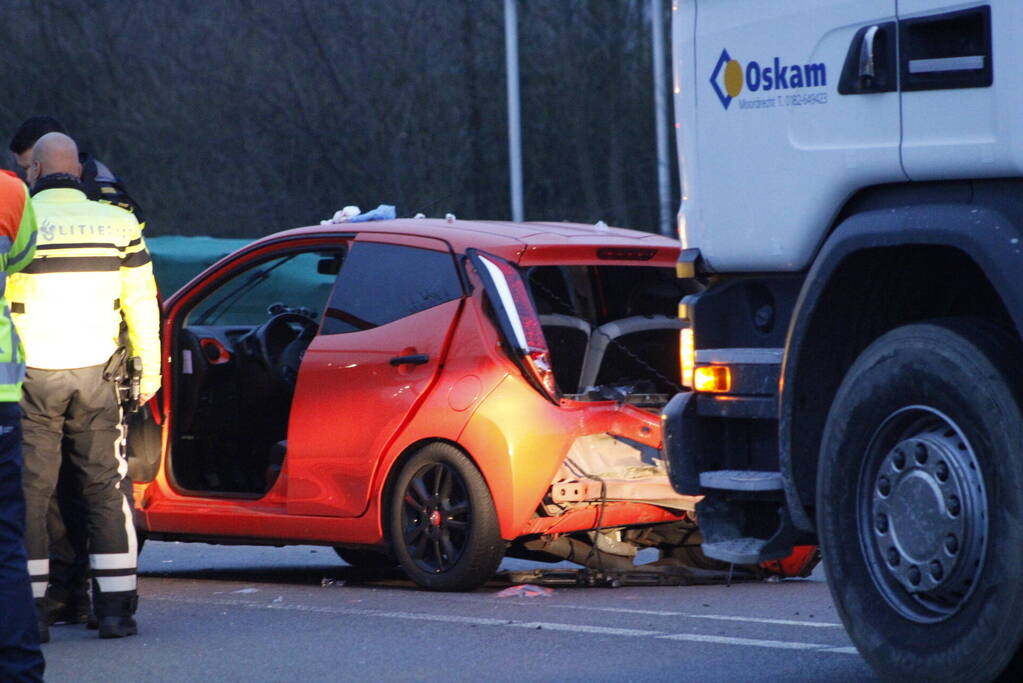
point(378, 352)
point(781, 144)
point(951, 55)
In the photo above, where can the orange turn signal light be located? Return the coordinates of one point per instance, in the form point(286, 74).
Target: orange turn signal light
point(712, 378)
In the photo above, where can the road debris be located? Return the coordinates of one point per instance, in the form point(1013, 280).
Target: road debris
point(526, 590)
point(328, 582)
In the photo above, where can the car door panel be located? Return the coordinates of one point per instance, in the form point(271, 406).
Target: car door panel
point(356, 390)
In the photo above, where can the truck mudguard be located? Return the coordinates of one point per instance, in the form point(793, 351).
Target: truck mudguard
point(962, 237)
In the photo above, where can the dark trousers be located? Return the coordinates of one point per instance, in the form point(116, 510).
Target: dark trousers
point(20, 656)
point(67, 525)
point(79, 405)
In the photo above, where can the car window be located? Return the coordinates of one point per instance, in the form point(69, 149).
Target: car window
point(297, 281)
point(600, 294)
point(380, 283)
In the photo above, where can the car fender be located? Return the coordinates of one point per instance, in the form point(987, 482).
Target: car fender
point(517, 463)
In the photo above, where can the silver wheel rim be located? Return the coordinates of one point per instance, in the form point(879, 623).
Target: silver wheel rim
point(922, 514)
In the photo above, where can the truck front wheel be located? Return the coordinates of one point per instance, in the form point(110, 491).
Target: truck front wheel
point(920, 502)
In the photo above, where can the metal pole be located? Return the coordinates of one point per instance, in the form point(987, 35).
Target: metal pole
point(511, 41)
point(661, 112)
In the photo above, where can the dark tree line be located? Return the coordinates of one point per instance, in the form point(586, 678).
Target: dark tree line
point(241, 117)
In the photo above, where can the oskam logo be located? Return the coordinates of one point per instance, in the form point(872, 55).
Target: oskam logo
point(730, 77)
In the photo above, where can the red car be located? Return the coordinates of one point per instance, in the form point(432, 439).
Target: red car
point(435, 394)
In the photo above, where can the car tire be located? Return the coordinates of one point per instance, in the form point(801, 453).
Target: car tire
point(365, 559)
point(442, 524)
point(919, 497)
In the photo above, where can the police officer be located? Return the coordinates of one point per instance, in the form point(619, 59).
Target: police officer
point(68, 593)
point(20, 658)
point(91, 268)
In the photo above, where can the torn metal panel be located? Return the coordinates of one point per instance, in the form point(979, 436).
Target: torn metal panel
point(605, 467)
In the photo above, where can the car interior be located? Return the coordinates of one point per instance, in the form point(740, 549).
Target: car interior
point(612, 331)
point(239, 350)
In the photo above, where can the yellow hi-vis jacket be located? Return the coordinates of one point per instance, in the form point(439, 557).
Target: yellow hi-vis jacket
point(90, 267)
point(17, 245)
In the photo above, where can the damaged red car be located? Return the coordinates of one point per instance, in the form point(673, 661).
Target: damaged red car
point(429, 394)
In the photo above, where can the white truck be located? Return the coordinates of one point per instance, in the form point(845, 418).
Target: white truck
point(852, 180)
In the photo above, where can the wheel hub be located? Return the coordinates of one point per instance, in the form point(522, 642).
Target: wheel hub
point(924, 518)
point(436, 518)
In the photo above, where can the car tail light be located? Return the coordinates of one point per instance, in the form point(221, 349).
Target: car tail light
point(517, 319)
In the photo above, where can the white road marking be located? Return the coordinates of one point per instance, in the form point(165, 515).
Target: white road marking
point(540, 625)
point(751, 642)
point(693, 615)
point(583, 628)
point(764, 620)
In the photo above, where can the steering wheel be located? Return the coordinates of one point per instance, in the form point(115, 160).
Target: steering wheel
point(279, 347)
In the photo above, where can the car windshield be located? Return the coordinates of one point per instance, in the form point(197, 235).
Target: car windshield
point(294, 279)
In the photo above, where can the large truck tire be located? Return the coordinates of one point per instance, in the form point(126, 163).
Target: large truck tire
point(920, 503)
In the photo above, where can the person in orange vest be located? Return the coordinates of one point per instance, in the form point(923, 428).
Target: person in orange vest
point(20, 656)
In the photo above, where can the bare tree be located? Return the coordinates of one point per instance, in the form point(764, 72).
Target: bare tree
point(237, 117)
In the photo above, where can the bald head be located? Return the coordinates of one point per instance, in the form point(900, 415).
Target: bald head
point(57, 153)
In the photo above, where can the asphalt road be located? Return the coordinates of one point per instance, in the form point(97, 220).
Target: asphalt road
point(216, 613)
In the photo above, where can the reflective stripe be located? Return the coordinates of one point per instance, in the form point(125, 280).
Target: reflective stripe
point(72, 264)
point(113, 560)
point(16, 350)
point(115, 584)
point(39, 567)
point(12, 373)
point(79, 245)
point(38, 589)
point(134, 260)
point(14, 258)
point(19, 307)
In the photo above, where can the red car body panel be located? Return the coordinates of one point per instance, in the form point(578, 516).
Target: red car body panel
point(350, 401)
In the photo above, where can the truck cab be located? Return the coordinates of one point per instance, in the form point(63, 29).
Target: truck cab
point(852, 183)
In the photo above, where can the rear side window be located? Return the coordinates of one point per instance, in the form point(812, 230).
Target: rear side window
point(381, 283)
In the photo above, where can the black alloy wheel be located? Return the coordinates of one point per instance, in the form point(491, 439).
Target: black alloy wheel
point(919, 493)
point(443, 526)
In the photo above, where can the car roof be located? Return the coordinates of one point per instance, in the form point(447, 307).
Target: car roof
point(530, 241)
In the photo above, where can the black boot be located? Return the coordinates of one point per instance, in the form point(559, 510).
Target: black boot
point(73, 608)
point(42, 620)
point(114, 614)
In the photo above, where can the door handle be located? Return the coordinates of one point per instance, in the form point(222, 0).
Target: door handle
point(868, 63)
point(417, 359)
